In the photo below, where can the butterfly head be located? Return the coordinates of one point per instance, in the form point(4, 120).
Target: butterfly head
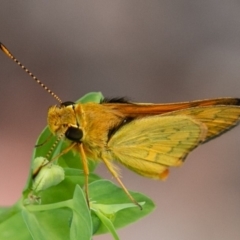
point(62, 121)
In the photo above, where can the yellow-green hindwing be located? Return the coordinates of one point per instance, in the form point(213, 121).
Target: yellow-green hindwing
point(218, 119)
point(150, 145)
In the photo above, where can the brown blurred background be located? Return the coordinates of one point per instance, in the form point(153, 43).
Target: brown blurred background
point(149, 51)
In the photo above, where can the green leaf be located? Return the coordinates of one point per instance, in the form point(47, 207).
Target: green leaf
point(65, 189)
point(81, 227)
point(51, 224)
point(3, 210)
point(13, 227)
point(112, 201)
point(107, 223)
point(96, 97)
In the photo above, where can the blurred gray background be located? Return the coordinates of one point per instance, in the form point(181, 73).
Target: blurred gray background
point(149, 51)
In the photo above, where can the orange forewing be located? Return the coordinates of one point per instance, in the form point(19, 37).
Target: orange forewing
point(142, 109)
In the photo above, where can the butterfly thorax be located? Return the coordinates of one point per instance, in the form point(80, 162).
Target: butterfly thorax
point(97, 121)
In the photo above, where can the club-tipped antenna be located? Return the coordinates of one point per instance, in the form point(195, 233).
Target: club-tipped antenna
point(8, 53)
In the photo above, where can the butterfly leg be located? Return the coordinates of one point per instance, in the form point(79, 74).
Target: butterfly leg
point(86, 170)
point(63, 152)
point(53, 159)
point(113, 171)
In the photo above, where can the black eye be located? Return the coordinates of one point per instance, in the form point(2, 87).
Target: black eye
point(65, 104)
point(74, 134)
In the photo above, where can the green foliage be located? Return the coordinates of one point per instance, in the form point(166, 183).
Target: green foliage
point(50, 211)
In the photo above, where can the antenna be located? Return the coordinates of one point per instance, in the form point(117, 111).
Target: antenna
point(53, 147)
point(7, 52)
